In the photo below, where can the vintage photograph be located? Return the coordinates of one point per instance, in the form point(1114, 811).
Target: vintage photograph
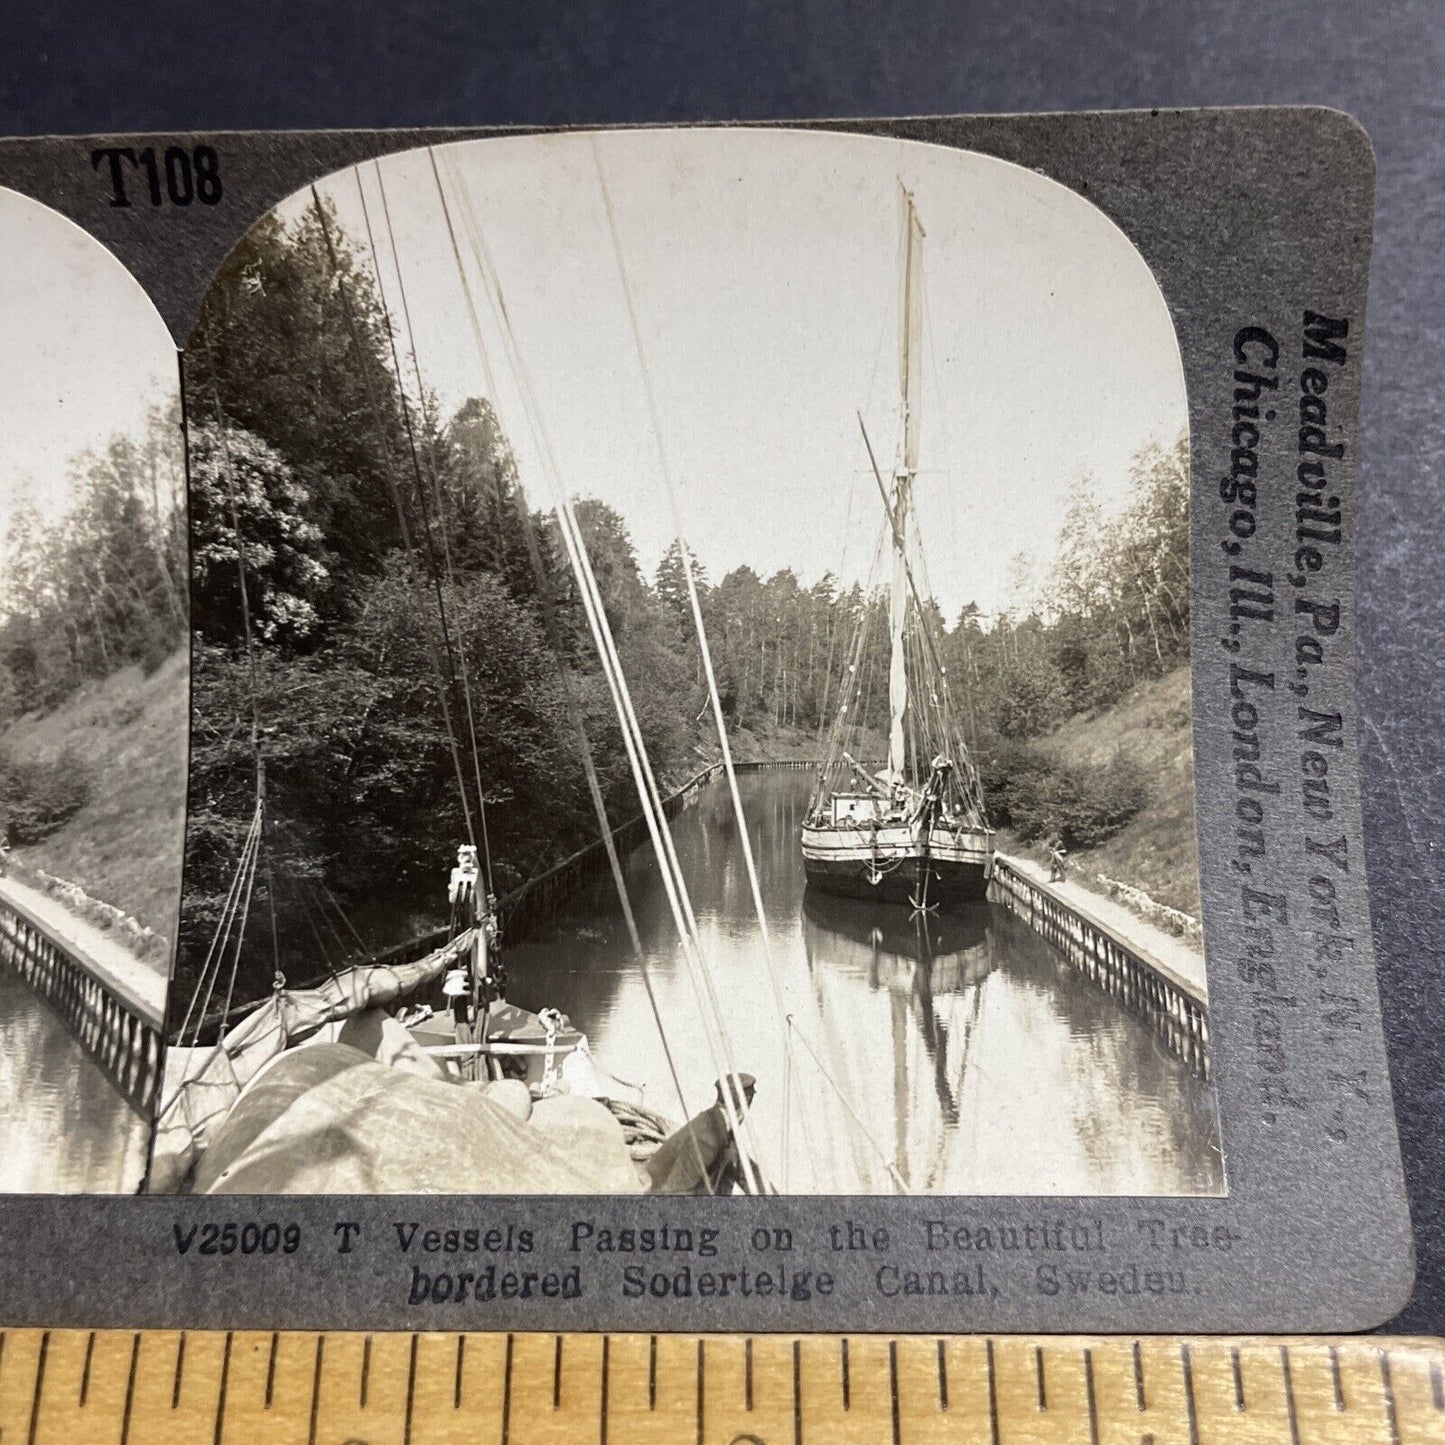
point(93, 705)
point(690, 685)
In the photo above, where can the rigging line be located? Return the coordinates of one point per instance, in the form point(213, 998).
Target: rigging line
point(245, 873)
point(695, 603)
point(245, 918)
point(260, 766)
point(599, 807)
point(404, 405)
point(300, 888)
point(848, 519)
point(949, 452)
point(228, 466)
point(943, 414)
point(341, 913)
point(570, 532)
point(402, 524)
point(851, 675)
point(678, 898)
point(323, 948)
point(833, 625)
point(901, 542)
point(441, 515)
point(863, 1129)
point(970, 784)
point(244, 867)
point(689, 573)
point(709, 1005)
point(222, 438)
point(270, 882)
point(554, 637)
point(220, 938)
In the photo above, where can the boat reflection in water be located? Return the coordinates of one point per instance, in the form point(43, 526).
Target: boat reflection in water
point(925, 974)
point(958, 1050)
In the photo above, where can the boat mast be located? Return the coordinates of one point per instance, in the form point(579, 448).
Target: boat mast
point(910, 328)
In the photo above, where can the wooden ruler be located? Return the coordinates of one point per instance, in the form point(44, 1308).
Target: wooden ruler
point(73, 1387)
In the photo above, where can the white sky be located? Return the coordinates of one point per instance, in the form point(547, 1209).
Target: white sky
point(764, 265)
point(83, 353)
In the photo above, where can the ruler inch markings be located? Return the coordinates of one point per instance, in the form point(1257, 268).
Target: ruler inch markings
point(39, 1387)
point(1287, 1374)
point(130, 1388)
point(85, 1370)
point(1392, 1410)
point(992, 1394)
point(123, 1387)
point(316, 1390)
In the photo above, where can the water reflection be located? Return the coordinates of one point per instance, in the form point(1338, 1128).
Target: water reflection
point(952, 1054)
point(63, 1127)
point(927, 970)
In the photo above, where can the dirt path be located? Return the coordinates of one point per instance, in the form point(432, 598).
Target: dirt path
point(1176, 954)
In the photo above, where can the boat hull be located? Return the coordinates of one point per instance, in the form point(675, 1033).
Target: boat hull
point(898, 869)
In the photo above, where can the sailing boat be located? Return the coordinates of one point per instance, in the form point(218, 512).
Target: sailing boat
point(916, 832)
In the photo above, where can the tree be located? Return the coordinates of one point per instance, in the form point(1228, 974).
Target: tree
point(292, 346)
point(247, 504)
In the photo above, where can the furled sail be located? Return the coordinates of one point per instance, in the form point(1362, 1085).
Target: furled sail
point(910, 349)
point(202, 1084)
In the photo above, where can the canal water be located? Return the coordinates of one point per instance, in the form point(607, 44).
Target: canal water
point(954, 1055)
point(63, 1128)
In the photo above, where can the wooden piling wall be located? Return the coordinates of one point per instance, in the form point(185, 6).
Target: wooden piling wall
point(120, 1030)
point(1172, 1005)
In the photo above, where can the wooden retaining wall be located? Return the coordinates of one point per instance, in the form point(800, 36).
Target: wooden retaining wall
point(120, 1030)
point(1176, 1010)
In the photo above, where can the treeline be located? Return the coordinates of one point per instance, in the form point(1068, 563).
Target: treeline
point(98, 588)
point(408, 650)
point(1113, 611)
point(102, 585)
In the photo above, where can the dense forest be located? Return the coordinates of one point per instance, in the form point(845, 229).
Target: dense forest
point(380, 619)
point(97, 588)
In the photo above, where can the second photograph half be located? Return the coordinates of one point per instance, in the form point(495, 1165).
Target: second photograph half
point(691, 685)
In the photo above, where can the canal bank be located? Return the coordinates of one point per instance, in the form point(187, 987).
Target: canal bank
point(80, 1032)
point(1154, 974)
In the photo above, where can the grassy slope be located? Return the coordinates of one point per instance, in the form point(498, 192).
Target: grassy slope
point(124, 846)
point(1157, 851)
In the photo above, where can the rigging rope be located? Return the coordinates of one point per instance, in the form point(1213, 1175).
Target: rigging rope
point(246, 865)
point(396, 497)
point(678, 900)
point(221, 938)
point(584, 747)
point(888, 1163)
point(900, 541)
point(689, 573)
point(436, 481)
